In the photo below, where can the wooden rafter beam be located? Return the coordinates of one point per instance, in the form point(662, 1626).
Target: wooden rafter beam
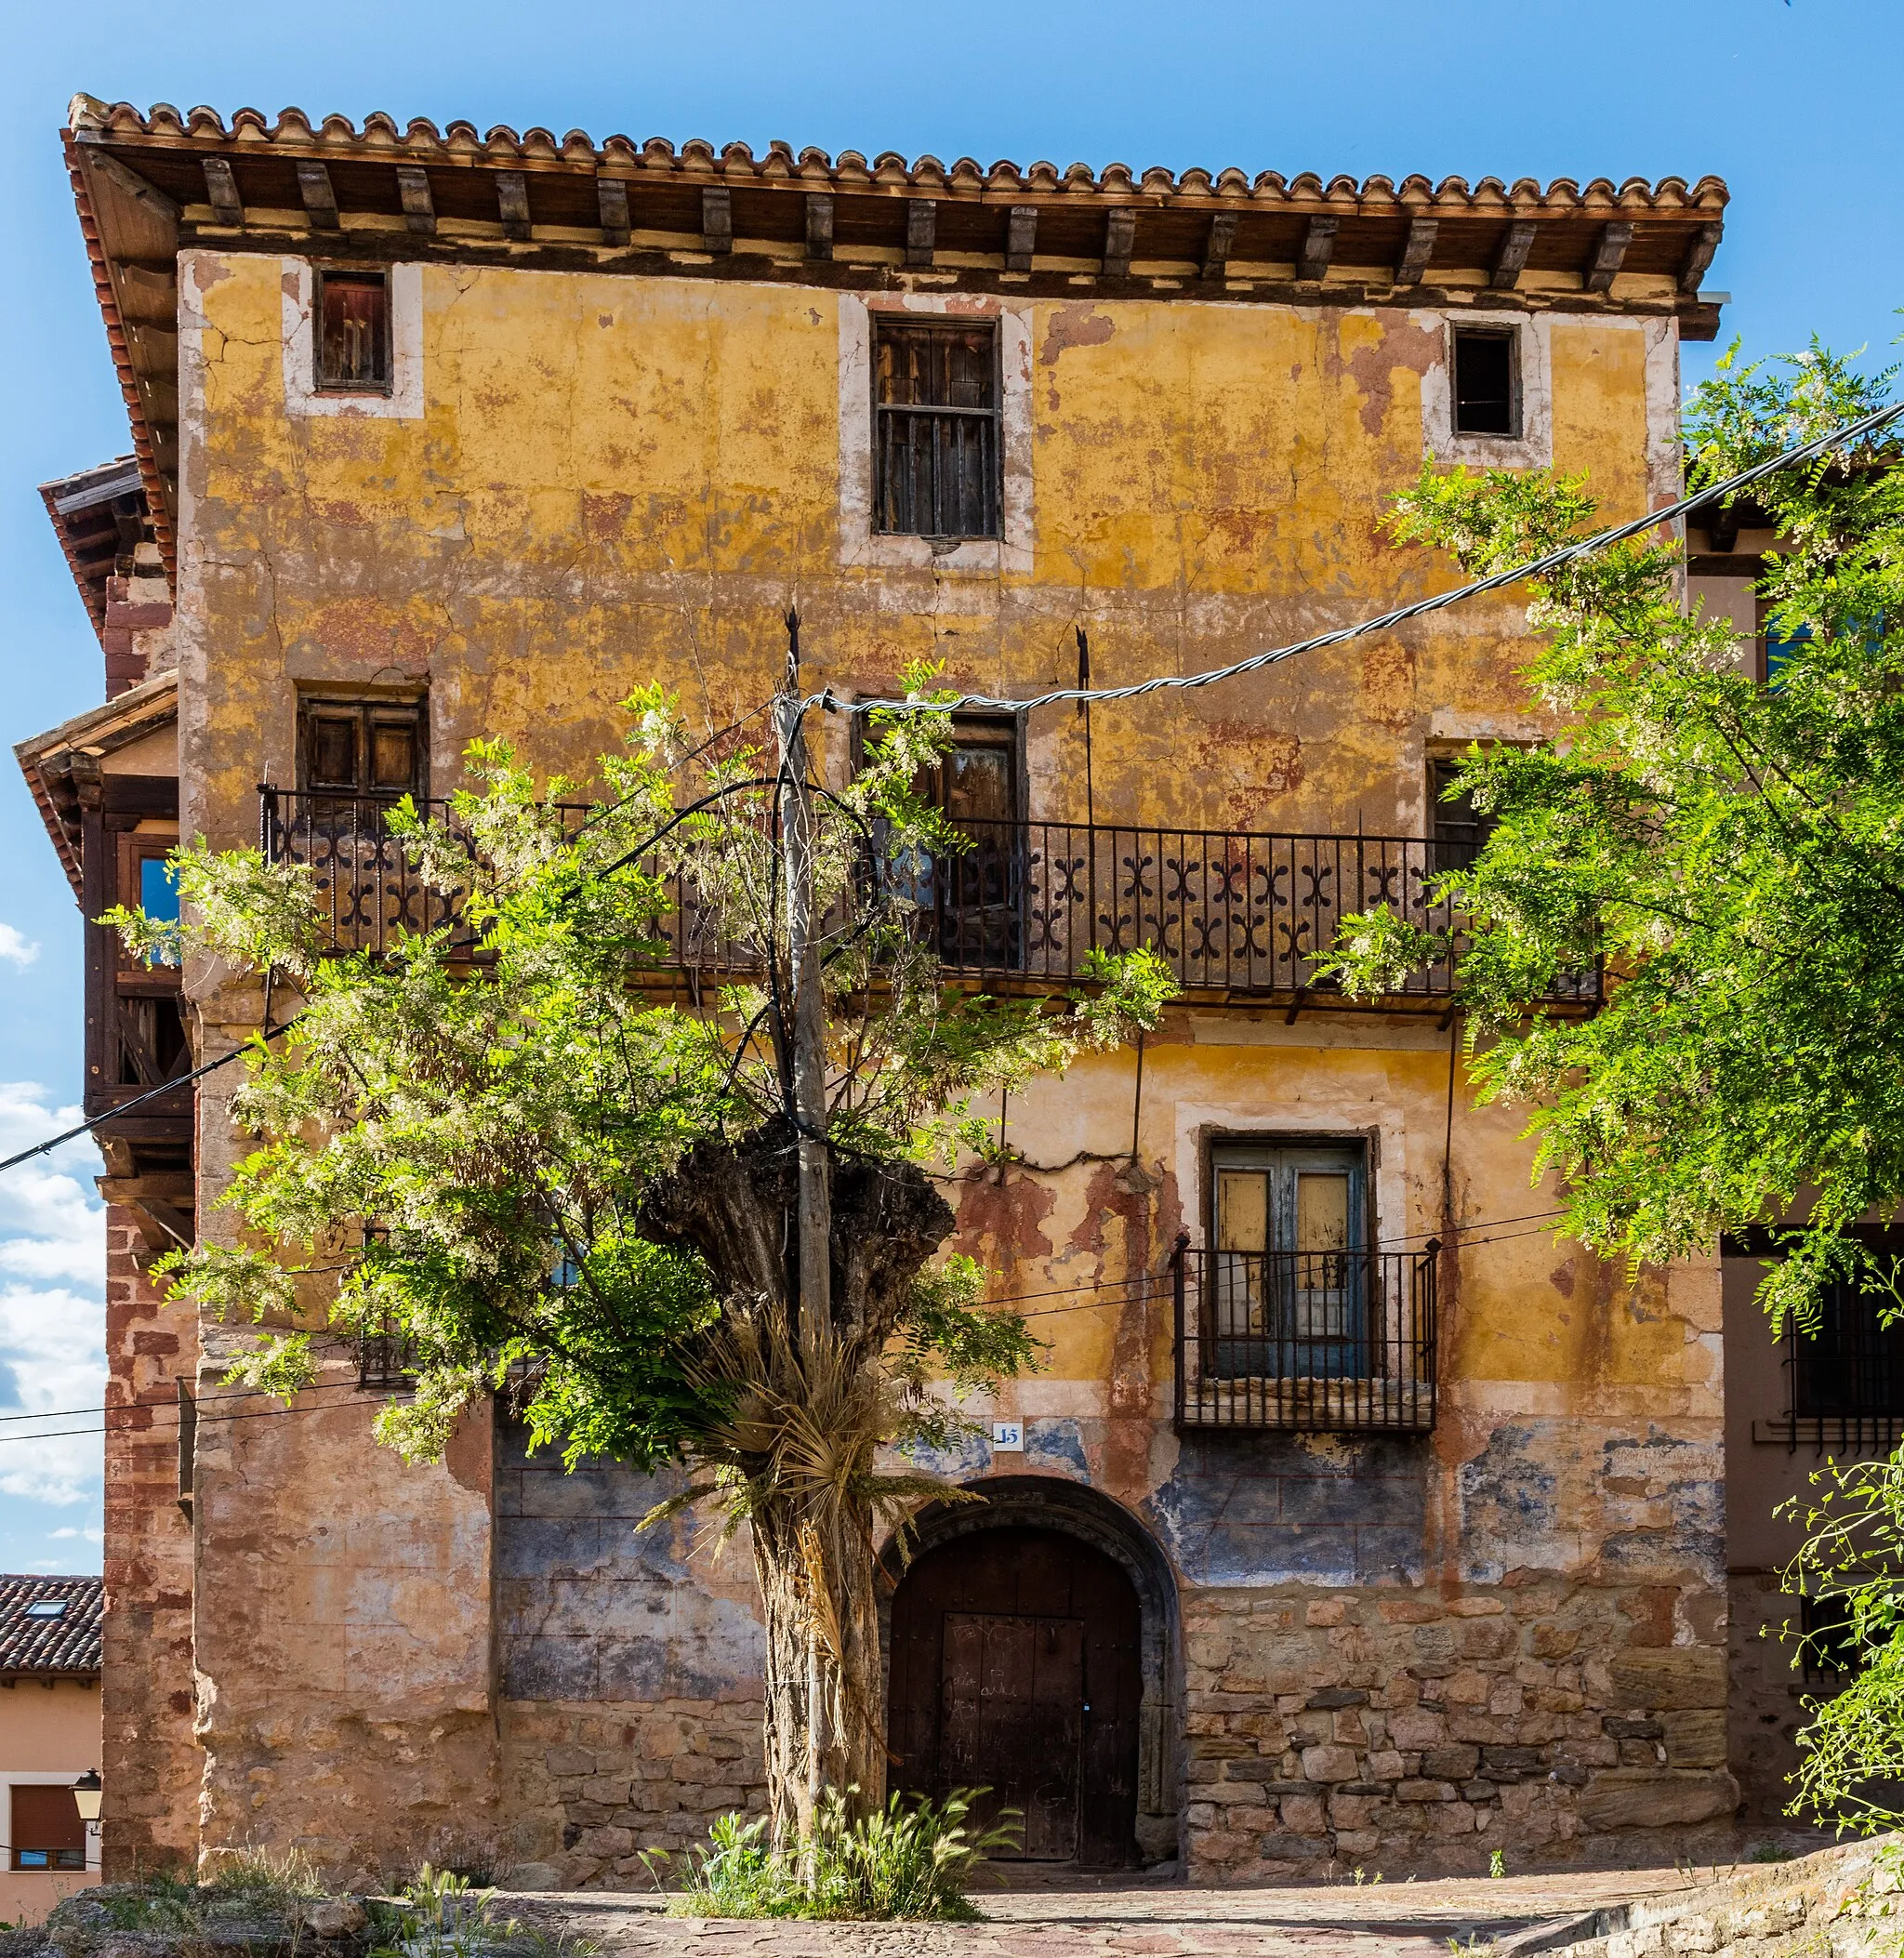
point(1216, 247)
point(921, 230)
point(512, 203)
point(612, 202)
point(419, 206)
point(1120, 236)
point(819, 224)
point(320, 199)
point(1609, 254)
point(1318, 248)
point(1699, 256)
point(1510, 260)
point(716, 220)
point(1021, 237)
point(1417, 249)
point(221, 187)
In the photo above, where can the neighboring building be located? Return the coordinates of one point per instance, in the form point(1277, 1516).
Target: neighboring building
point(1380, 1530)
point(49, 1737)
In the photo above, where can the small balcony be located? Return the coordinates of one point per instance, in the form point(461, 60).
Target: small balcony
point(1319, 1343)
point(1235, 915)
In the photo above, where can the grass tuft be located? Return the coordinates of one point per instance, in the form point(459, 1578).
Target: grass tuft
point(904, 1861)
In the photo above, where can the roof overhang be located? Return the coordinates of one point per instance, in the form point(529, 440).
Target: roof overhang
point(99, 516)
point(63, 762)
point(150, 183)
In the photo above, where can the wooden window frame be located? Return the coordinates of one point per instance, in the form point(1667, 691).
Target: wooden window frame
point(1246, 1144)
point(321, 276)
point(927, 325)
point(1516, 393)
point(411, 710)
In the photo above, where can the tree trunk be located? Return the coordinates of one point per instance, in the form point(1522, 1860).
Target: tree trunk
point(825, 1714)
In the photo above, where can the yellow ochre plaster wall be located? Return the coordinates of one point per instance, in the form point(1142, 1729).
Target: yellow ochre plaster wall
point(609, 479)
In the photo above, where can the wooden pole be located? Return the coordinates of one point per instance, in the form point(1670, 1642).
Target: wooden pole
point(816, 1220)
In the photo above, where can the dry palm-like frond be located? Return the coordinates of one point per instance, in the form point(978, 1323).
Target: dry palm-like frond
point(803, 1426)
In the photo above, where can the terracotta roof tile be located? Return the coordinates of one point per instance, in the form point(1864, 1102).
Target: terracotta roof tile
point(697, 157)
point(42, 1644)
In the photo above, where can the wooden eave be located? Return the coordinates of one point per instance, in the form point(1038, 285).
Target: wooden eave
point(148, 184)
point(96, 515)
point(59, 763)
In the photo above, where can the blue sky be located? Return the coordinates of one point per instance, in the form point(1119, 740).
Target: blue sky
point(1793, 105)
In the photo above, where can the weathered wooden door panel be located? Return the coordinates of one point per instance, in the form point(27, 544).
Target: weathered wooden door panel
point(1013, 1700)
point(1015, 1665)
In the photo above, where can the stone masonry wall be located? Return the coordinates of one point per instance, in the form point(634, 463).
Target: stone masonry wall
point(148, 1760)
point(591, 1784)
point(1409, 1732)
point(630, 1663)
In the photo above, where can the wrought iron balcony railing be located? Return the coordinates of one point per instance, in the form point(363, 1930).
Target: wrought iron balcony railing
point(1327, 1342)
point(1231, 913)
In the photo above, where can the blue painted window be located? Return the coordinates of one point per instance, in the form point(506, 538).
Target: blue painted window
point(1782, 646)
point(158, 893)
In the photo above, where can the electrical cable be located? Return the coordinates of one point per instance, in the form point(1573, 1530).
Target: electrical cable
point(1401, 614)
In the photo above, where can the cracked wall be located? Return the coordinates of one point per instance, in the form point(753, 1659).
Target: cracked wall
point(1411, 1643)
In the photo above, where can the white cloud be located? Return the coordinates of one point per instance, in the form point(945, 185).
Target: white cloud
point(52, 1311)
point(16, 947)
point(90, 1535)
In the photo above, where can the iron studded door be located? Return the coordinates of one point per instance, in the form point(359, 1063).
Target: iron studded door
point(1014, 1717)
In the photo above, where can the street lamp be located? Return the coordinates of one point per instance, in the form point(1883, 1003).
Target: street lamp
point(85, 1794)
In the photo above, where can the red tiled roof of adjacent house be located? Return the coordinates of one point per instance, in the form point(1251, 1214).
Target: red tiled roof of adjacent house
point(35, 1638)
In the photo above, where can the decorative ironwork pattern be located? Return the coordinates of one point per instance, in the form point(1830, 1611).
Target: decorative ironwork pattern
point(1334, 1342)
point(1229, 912)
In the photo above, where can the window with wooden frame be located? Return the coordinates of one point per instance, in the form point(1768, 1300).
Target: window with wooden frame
point(1289, 1220)
point(362, 748)
point(47, 1831)
point(1458, 830)
point(151, 1044)
point(977, 895)
point(1487, 381)
point(351, 324)
point(936, 467)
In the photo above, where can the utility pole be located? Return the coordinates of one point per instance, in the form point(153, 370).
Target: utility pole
point(816, 1220)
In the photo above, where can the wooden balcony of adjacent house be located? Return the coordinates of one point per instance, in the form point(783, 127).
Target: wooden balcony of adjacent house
point(1238, 915)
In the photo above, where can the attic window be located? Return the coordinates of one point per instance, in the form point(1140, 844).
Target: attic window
point(47, 1607)
point(353, 331)
point(1487, 382)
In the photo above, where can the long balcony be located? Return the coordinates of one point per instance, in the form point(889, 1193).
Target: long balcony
point(1313, 1342)
point(1234, 914)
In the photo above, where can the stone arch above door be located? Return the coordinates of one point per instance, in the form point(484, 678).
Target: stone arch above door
point(1074, 1510)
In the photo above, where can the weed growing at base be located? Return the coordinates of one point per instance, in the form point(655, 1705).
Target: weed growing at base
point(902, 1861)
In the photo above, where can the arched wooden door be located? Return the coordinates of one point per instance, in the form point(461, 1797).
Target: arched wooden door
point(1016, 1668)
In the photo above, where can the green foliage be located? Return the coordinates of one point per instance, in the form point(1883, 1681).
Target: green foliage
point(912, 1860)
point(442, 1914)
point(1852, 1568)
point(1733, 852)
point(455, 1151)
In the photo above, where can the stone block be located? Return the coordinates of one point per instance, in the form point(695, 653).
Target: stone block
point(1424, 1791)
point(1324, 1611)
point(1637, 1798)
point(1451, 1764)
point(1620, 1728)
point(1509, 1763)
point(1303, 1815)
point(1384, 1765)
point(1281, 1848)
point(1414, 1727)
point(1670, 1678)
point(1695, 1738)
point(1330, 1764)
point(1329, 1698)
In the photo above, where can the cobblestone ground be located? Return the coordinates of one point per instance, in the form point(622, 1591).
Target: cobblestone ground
point(1143, 1920)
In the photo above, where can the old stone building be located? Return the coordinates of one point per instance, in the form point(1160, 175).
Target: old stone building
point(1351, 1519)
